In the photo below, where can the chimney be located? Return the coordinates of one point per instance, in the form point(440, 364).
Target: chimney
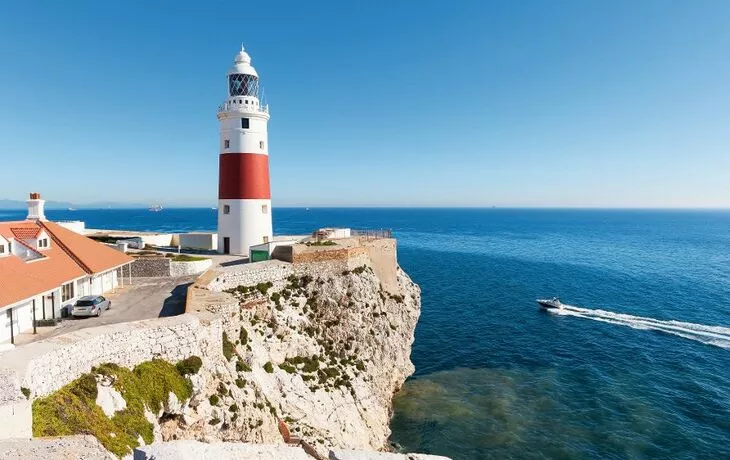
point(35, 207)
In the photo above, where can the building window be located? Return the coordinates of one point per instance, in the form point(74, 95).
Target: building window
point(261, 145)
point(226, 144)
point(244, 123)
point(2, 249)
point(226, 209)
point(264, 208)
point(67, 291)
point(246, 101)
point(43, 243)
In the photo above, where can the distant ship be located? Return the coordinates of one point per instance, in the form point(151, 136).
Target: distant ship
point(155, 208)
point(72, 209)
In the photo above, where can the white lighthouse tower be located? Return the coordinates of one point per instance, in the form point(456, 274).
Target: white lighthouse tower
point(244, 194)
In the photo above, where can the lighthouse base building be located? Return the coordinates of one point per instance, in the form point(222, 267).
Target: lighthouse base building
point(244, 192)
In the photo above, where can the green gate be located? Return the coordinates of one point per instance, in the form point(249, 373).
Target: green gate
point(258, 255)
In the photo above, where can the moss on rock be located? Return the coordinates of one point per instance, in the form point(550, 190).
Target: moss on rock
point(73, 410)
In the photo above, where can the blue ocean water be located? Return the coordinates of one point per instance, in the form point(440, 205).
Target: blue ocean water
point(638, 368)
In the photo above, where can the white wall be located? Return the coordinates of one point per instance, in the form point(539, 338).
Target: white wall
point(77, 226)
point(246, 224)
point(244, 140)
point(206, 241)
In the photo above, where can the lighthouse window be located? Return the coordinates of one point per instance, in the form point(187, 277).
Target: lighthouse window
point(244, 123)
point(243, 85)
point(261, 144)
point(264, 209)
point(226, 209)
point(227, 144)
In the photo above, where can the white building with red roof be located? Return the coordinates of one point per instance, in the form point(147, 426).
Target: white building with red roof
point(45, 267)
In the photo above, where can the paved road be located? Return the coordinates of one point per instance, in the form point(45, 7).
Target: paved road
point(145, 298)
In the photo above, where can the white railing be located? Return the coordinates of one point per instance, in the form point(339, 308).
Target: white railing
point(229, 107)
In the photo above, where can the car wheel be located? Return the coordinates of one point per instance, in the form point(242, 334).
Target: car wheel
point(98, 313)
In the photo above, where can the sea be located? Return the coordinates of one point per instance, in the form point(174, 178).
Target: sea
point(636, 367)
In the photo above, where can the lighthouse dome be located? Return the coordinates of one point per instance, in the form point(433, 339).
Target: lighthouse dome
point(242, 64)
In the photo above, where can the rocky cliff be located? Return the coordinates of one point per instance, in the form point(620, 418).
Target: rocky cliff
point(302, 353)
point(316, 356)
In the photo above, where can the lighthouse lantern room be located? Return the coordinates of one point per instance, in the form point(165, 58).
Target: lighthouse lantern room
point(244, 194)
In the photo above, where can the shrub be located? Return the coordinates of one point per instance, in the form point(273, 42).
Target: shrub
point(276, 297)
point(268, 367)
point(228, 347)
point(240, 383)
point(263, 288)
point(214, 421)
point(189, 365)
point(288, 368)
point(233, 408)
point(243, 335)
point(242, 366)
point(26, 392)
point(213, 400)
point(73, 410)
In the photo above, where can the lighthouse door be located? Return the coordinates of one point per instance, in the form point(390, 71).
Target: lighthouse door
point(226, 245)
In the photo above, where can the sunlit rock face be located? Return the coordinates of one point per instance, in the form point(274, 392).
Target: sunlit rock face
point(316, 356)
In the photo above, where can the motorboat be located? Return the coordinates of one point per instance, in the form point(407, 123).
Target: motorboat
point(550, 303)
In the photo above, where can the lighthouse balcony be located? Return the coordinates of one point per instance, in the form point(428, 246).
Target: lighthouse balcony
point(235, 106)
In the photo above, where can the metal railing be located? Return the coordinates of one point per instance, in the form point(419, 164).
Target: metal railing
point(373, 234)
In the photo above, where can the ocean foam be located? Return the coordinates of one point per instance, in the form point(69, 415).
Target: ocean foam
point(712, 335)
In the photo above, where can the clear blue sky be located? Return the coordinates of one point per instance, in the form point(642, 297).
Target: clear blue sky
point(465, 103)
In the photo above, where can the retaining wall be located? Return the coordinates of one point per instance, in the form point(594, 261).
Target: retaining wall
point(165, 266)
point(150, 266)
point(189, 268)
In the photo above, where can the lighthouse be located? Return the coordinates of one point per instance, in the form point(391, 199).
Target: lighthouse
point(244, 194)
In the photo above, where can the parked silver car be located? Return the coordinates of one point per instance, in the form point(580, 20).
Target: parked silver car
point(90, 305)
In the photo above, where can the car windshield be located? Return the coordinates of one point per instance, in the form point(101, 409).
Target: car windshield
point(85, 303)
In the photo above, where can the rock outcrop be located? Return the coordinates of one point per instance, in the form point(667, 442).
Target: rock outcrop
point(316, 356)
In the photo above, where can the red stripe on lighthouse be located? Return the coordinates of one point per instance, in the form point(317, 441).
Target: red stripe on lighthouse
point(244, 176)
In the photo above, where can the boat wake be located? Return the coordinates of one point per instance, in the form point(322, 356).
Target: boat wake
point(711, 335)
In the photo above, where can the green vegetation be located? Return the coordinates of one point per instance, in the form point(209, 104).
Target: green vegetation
point(229, 349)
point(321, 243)
point(187, 258)
point(243, 336)
point(288, 368)
point(242, 366)
point(26, 392)
point(73, 409)
point(268, 367)
point(105, 238)
point(189, 365)
point(213, 400)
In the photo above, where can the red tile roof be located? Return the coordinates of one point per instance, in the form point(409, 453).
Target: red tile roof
point(68, 257)
point(26, 233)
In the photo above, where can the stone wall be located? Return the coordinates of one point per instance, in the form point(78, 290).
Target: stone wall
point(189, 268)
point(165, 266)
point(45, 366)
point(150, 267)
point(249, 274)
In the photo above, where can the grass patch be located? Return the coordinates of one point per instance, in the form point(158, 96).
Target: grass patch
point(268, 367)
point(187, 258)
point(72, 409)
